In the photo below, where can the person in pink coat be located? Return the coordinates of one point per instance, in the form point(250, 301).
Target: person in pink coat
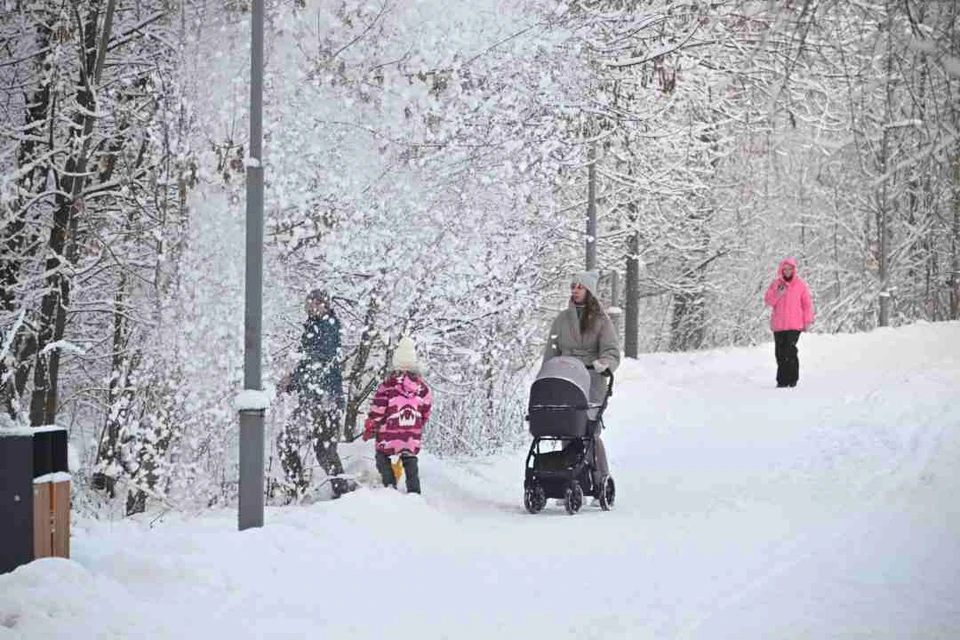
point(398, 412)
point(792, 314)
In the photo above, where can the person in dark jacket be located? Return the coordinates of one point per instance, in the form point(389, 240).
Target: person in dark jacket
point(318, 381)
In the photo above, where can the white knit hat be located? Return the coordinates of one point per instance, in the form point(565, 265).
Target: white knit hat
point(589, 279)
point(405, 357)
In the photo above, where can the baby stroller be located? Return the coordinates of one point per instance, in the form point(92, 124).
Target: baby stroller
point(560, 411)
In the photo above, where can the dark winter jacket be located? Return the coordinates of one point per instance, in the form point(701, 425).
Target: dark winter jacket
point(317, 376)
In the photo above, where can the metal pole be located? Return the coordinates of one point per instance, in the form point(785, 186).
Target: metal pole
point(251, 470)
point(632, 316)
point(251, 421)
point(592, 207)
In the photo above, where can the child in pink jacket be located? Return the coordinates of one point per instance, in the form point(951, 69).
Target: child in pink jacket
point(789, 297)
point(398, 413)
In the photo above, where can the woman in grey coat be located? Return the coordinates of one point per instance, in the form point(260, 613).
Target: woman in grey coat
point(583, 330)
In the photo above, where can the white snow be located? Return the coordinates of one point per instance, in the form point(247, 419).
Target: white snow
point(64, 345)
point(29, 431)
point(743, 511)
point(20, 432)
point(73, 458)
point(57, 476)
point(252, 400)
point(8, 338)
point(48, 428)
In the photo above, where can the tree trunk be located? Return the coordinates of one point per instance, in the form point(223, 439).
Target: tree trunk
point(107, 451)
point(357, 390)
point(15, 246)
point(884, 215)
point(687, 325)
point(61, 246)
point(591, 245)
point(954, 279)
point(955, 243)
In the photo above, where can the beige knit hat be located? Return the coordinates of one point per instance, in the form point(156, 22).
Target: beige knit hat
point(405, 357)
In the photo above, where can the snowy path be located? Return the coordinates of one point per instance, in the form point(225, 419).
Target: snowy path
point(743, 511)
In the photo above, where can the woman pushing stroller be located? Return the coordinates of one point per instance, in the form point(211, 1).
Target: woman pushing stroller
point(583, 330)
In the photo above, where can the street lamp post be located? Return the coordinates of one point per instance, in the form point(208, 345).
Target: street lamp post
point(591, 207)
point(251, 419)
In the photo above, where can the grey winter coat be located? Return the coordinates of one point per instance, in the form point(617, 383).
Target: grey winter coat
point(598, 343)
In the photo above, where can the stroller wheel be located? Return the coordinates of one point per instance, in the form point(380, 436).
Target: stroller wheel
point(534, 498)
point(573, 499)
point(608, 493)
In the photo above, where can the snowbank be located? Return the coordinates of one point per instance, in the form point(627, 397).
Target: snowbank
point(828, 510)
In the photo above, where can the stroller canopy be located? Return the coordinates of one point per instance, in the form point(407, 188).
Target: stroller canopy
point(570, 369)
point(559, 399)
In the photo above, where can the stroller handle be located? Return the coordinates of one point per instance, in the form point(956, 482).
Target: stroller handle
point(606, 373)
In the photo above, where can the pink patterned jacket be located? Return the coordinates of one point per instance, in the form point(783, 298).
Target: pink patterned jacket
point(398, 412)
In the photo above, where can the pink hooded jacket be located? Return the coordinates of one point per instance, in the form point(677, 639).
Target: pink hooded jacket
point(792, 307)
point(398, 413)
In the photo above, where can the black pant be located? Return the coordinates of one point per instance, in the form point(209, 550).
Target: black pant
point(788, 363)
point(319, 426)
point(602, 467)
point(411, 471)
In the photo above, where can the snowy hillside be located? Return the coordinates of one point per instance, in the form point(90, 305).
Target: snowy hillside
point(744, 511)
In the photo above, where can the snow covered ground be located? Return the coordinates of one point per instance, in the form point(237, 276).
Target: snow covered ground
point(744, 511)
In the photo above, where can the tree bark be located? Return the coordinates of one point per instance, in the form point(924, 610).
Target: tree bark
point(357, 390)
point(591, 244)
point(955, 242)
point(107, 451)
point(15, 246)
point(61, 246)
point(884, 222)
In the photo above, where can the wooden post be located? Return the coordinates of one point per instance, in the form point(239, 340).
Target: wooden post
point(60, 518)
point(51, 518)
point(51, 493)
point(42, 534)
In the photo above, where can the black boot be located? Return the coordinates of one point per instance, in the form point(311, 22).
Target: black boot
point(385, 469)
point(411, 469)
point(341, 486)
